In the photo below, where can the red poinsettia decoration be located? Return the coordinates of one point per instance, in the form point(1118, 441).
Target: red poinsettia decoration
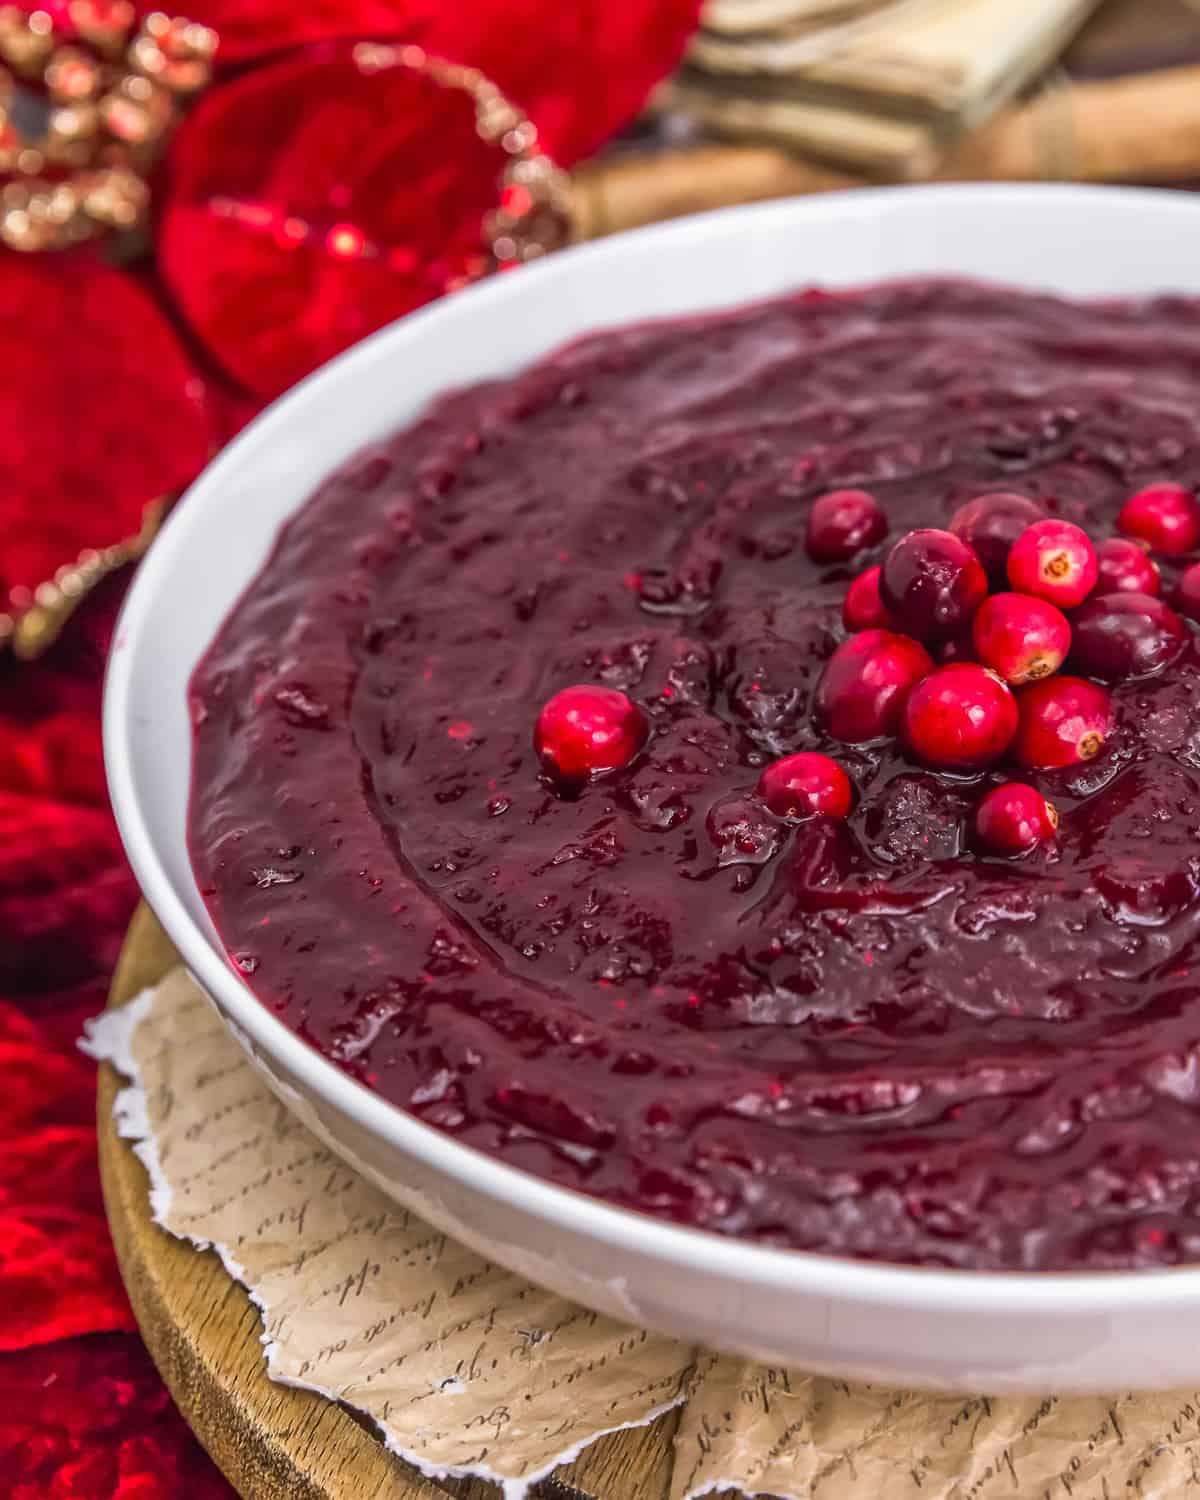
point(312, 194)
point(311, 201)
point(320, 186)
point(102, 411)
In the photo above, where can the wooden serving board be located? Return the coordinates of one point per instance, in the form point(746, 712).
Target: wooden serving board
point(273, 1442)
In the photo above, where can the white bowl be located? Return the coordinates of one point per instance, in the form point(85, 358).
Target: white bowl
point(960, 1329)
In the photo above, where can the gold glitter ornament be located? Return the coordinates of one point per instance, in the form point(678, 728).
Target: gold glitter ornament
point(176, 53)
point(72, 76)
point(103, 24)
point(115, 94)
point(26, 40)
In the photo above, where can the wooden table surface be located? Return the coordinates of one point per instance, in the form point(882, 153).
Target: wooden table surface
point(273, 1442)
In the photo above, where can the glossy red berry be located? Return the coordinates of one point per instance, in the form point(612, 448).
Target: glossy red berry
point(1053, 560)
point(1165, 516)
point(1125, 564)
point(1125, 635)
point(960, 718)
point(802, 785)
point(990, 524)
point(1020, 637)
point(1014, 818)
point(863, 608)
point(842, 523)
point(933, 583)
point(1061, 721)
point(1186, 597)
point(862, 690)
point(585, 731)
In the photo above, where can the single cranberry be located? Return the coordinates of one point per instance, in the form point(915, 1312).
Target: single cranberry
point(862, 690)
point(960, 718)
point(933, 583)
point(1186, 597)
point(1062, 721)
point(1053, 560)
point(1125, 635)
point(1166, 516)
point(863, 608)
point(1013, 818)
point(1020, 637)
point(585, 731)
point(1125, 564)
point(801, 785)
point(990, 524)
point(842, 523)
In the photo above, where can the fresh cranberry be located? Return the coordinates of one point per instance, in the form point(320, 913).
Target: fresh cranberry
point(800, 785)
point(1014, 818)
point(1186, 598)
point(1020, 637)
point(862, 690)
point(585, 731)
point(960, 718)
point(1125, 564)
point(1053, 560)
point(862, 608)
point(842, 523)
point(990, 524)
point(1062, 721)
point(1166, 516)
point(933, 583)
point(1125, 635)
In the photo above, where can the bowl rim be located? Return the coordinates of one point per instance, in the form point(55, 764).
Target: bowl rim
point(948, 1289)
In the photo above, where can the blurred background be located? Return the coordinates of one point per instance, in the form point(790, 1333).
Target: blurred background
point(795, 96)
point(195, 211)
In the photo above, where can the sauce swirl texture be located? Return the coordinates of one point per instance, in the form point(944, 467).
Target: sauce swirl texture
point(858, 1037)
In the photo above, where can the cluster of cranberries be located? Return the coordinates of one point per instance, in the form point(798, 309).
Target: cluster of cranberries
point(956, 643)
point(1004, 599)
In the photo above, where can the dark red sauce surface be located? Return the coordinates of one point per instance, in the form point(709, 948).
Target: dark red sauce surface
point(859, 1038)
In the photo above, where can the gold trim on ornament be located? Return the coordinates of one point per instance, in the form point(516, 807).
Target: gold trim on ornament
point(43, 612)
point(534, 215)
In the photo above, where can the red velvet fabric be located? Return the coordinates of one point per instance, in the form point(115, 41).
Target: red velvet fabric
point(100, 410)
point(118, 383)
point(90, 1418)
point(83, 1413)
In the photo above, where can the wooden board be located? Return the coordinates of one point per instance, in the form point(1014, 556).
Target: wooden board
point(274, 1443)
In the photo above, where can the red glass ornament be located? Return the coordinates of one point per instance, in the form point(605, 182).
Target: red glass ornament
point(581, 71)
point(280, 179)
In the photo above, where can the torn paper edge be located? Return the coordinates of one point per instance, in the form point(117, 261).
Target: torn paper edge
point(108, 1037)
point(518, 1489)
point(712, 1486)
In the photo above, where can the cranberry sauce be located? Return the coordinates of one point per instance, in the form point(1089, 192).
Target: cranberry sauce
point(860, 1035)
